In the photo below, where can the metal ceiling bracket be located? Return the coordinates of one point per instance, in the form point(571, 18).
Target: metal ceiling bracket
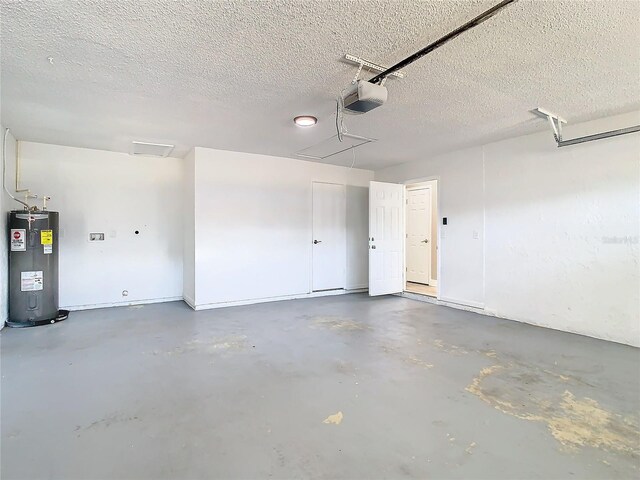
point(370, 65)
point(555, 122)
point(355, 79)
point(556, 126)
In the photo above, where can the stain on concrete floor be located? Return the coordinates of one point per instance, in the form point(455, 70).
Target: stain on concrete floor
point(335, 419)
point(195, 399)
point(406, 357)
point(337, 323)
point(106, 422)
point(449, 348)
point(212, 345)
point(539, 395)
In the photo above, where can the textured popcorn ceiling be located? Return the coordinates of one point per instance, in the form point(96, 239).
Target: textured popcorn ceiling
point(232, 75)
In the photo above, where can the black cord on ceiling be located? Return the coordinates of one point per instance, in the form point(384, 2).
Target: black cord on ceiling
point(441, 41)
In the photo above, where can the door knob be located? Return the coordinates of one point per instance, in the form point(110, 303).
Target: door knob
point(315, 242)
point(425, 241)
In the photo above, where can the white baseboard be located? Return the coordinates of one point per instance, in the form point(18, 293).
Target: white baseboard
point(237, 303)
point(119, 304)
point(464, 303)
point(189, 301)
point(468, 306)
point(491, 313)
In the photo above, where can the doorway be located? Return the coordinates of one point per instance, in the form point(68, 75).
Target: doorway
point(329, 241)
point(421, 238)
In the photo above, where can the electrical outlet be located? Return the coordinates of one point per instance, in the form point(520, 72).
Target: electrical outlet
point(96, 237)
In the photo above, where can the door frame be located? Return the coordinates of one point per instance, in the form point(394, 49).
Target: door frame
point(438, 231)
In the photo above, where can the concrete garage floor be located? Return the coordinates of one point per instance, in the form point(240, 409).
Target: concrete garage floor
point(334, 387)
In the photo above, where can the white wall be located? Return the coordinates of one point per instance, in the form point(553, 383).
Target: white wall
point(461, 199)
point(558, 229)
point(249, 216)
point(114, 193)
point(253, 225)
point(6, 205)
point(3, 252)
point(357, 237)
point(189, 227)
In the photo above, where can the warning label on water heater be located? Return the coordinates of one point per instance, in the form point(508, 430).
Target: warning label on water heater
point(46, 237)
point(31, 281)
point(18, 240)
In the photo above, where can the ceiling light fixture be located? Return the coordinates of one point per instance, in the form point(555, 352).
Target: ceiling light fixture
point(305, 120)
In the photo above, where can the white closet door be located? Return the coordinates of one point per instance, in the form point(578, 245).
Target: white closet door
point(329, 236)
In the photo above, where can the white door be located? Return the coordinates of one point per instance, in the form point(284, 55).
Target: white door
point(385, 238)
point(329, 241)
point(418, 236)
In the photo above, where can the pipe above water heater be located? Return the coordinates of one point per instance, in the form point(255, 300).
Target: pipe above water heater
point(18, 189)
point(4, 170)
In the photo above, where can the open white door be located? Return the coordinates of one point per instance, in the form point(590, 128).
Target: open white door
point(385, 238)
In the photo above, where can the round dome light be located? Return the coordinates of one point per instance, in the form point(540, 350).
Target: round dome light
point(305, 120)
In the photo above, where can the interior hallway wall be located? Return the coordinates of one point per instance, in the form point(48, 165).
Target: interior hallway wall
point(118, 194)
point(253, 234)
point(461, 242)
point(541, 234)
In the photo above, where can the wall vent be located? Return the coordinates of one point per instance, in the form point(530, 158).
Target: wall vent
point(146, 149)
